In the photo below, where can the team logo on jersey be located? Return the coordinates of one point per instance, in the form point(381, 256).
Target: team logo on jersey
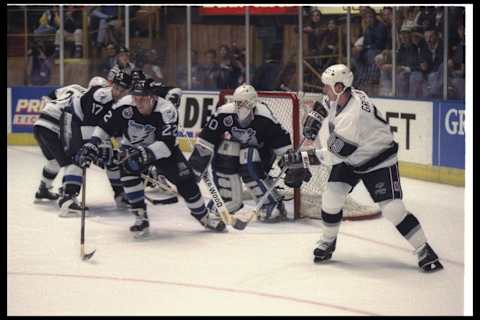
point(228, 121)
point(245, 136)
point(169, 115)
point(380, 188)
point(138, 132)
point(335, 145)
point(127, 113)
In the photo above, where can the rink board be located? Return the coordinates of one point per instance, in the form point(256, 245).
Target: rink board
point(427, 131)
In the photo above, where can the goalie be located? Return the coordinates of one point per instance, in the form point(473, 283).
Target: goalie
point(241, 140)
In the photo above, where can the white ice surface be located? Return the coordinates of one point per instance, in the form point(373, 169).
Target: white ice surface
point(182, 269)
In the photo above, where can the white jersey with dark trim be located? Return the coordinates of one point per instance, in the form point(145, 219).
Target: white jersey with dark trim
point(356, 133)
point(52, 113)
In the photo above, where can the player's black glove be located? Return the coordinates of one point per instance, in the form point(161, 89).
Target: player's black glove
point(137, 160)
point(106, 155)
point(297, 171)
point(87, 154)
point(313, 122)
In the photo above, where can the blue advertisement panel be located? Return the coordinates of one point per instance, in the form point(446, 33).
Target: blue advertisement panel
point(449, 134)
point(26, 106)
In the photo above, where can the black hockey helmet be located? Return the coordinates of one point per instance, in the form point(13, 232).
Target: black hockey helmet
point(138, 74)
point(122, 50)
point(123, 79)
point(141, 88)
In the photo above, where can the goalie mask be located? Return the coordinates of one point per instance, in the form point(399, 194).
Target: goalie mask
point(245, 98)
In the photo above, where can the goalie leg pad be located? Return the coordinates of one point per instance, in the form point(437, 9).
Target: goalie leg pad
point(230, 188)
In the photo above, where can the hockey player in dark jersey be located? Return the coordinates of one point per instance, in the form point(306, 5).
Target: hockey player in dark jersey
point(60, 129)
point(148, 125)
point(242, 140)
point(89, 109)
point(172, 94)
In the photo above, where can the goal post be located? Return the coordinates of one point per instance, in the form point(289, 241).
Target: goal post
point(291, 110)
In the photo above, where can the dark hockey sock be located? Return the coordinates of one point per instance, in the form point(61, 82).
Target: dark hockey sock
point(72, 180)
point(331, 224)
point(134, 190)
point(49, 172)
point(412, 231)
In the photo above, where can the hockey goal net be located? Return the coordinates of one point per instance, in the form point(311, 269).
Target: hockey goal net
point(291, 110)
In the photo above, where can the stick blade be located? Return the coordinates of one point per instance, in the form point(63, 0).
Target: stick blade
point(88, 255)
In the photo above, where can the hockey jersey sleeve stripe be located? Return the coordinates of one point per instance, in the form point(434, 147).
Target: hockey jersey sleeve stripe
point(340, 146)
point(379, 158)
point(87, 132)
point(160, 150)
point(49, 118)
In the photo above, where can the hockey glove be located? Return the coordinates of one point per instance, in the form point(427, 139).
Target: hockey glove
point(314, 120)
point(298, 171)
point(137, 161)
point(87, 154)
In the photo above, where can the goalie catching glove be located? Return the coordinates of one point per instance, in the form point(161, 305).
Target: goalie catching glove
point(297, 163)
point(314, 120)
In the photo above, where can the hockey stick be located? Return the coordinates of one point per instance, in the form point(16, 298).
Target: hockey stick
point(222, 210)
point(254, 212)
point(83, 255)
point(172, 199)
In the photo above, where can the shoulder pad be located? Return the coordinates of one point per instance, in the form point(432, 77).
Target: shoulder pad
point(226, 108)
point(263, 110)
point(103, 95)
point(167, 110)
point(125, 101)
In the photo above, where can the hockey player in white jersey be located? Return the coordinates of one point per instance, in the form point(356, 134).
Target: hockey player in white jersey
point(359, 145)
point(242, 140)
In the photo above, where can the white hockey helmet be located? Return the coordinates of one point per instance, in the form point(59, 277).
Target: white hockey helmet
point(245, 98)
point(337, 73)
point(98, 81)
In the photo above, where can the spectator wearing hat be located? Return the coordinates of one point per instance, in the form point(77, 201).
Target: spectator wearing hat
point(123, 63)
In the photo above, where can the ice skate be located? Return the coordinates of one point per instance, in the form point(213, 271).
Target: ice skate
point(428, 260)
point(69, 207)
point(44, 193)
point(324, 250)
point(141, 225)
point(211, 221)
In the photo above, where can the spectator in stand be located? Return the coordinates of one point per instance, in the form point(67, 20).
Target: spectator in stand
point(409, 20)
point(39, 64)
point(229, 73)
point(238, 60)
point(181, 74)
point(407, 66)
point(456, 67)
point(313, 31)
point(425, 17)
point(387, 17)
point(373, 43)
point(268, 74)
point(49, 21)
point(109, 61)
point(327, 46)
point(439, 19)
point(123, 64)
point(103, 23)
point(152, 66)
point(210, 71)
point(72, 31)
point(431, 64)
